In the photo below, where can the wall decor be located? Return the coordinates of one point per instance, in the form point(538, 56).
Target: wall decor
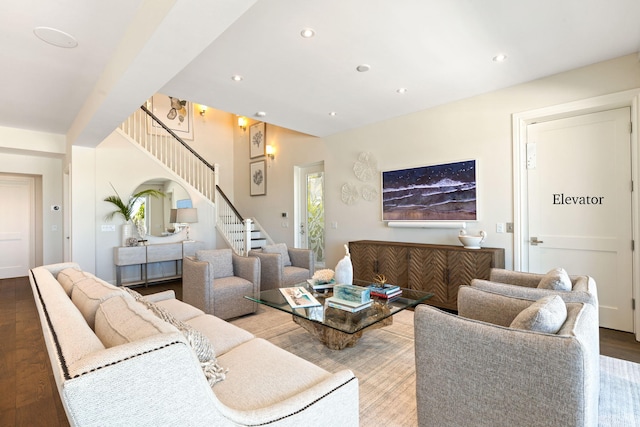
point(175, 113)
point(349, 193)
point(257, 139)
point(365, 168)
point(443, 192)
point(258, 178)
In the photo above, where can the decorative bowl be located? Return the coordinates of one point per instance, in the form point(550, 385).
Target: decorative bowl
point(471, 242)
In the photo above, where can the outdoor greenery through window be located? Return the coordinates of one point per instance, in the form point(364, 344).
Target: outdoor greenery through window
point(315, 215)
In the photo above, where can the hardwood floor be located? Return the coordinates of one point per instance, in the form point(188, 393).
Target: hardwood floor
point(28, 394)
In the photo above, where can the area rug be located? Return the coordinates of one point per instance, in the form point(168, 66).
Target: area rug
point(619, 393)
point(383, 360)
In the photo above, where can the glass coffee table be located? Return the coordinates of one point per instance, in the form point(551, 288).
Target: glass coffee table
point(337, 328)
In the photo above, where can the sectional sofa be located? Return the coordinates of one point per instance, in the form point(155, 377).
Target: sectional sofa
point(117, 362)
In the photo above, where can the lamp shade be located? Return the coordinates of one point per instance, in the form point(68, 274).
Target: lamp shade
point(187, 215)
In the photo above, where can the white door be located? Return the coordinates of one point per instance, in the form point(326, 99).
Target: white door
point(579, 205)
point(16, 226)
point(311, 211)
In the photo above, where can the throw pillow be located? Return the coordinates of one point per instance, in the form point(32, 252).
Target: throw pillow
point(198, 342)
point(221, 261)
point(557, 280)
point(89, 294)
point(279, 248)
point(121, 320)
point(546, 315)
point(69, 277)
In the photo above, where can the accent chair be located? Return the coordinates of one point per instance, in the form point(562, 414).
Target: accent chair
point(485, 367)
point(217, 280)
point(282, 266)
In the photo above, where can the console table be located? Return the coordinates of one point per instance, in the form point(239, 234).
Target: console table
point(439, 269)
point(155, 253)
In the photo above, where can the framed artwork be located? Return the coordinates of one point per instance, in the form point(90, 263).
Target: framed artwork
point(443, 192)
point(257, 139)
point(258, 178)
point(176, 114)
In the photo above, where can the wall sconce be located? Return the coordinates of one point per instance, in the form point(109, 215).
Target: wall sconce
point(203, 110)
point(242, 123)
point(271, 152)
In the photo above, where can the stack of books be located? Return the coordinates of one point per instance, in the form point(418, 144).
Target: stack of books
point(385, 291)
point(346, 305)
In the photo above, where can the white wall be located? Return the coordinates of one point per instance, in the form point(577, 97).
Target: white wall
point(475, 128)
point(40, 154)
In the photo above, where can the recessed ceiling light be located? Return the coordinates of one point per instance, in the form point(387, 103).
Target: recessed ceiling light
point(402, 90)
point(333, 113)
point(236, 78)
point(307, 33)
point(363, 67)
point(501, 57)
point(261, 114)
point(55, 37)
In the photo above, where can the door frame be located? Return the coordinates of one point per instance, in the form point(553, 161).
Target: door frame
point(520, 121)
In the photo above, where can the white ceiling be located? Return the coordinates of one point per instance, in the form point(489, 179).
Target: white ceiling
point(440, 50)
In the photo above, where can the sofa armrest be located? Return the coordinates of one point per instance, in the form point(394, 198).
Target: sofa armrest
point(302, 258)
point(271, 269)
point(197, 283)
point(160, 374)
point(337, 395)
point(160, 296)
point(248, 268)
point(498, 376)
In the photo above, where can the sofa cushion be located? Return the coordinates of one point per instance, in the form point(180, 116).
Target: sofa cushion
point(556, 279)
point(223, 335)
point(89, 294)
point(272, 380)
point(221, 261)
point(279, 248)
point(120, 320)
point(198, 341)
point(180, 310)
point(69, 277)
point(546, 315)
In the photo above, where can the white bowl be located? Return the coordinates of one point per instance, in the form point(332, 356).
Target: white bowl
point(471, 242)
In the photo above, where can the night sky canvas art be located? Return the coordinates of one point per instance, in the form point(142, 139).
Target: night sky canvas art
point(445, 192)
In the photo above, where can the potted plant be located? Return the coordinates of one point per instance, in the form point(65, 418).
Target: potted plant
point(126, 209)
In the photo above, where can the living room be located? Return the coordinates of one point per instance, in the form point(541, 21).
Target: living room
point(79, 176)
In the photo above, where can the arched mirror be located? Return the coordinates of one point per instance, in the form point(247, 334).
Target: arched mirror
point(157, 210)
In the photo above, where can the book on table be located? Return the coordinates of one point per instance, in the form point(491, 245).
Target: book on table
point(346, 305)
point(299, 297)
point(384, 291)
point(318, 285)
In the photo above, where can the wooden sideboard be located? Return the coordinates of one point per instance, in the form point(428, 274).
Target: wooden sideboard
point(150, 254)
point(439, 269)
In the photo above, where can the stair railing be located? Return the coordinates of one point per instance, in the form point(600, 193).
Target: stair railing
point(158, 140)
point(163, 143)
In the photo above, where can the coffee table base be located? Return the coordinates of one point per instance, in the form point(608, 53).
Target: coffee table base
point(334, 339)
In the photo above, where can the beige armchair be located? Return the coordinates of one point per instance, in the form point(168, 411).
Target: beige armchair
point(281, 266)
point(473, 370)
point(216, 282)
point(525, 285)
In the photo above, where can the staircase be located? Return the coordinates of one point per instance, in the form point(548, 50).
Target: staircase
point(146, 130)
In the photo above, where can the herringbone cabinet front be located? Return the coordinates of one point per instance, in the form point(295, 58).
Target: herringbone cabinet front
point(440, 269)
